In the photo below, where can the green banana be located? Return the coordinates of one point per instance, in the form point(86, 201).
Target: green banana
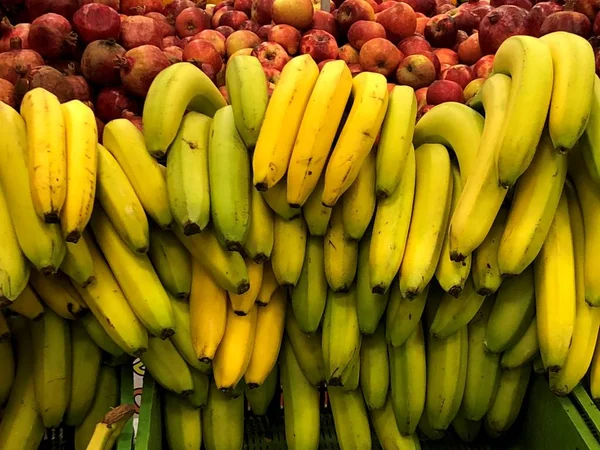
point(172, 262)
point(167, 367)
point(261, 397)
point(374, 368)
point(307, 350)
point(315, 213)
point(387, 432)
point(182, 422)
point(223, 421)
point(350, 418)
point(199, 397)
point(524, 350)
point(403, 315)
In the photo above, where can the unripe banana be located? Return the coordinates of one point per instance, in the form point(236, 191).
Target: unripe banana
point(374, 368)
point(316, 215)
point(467, 430)
point(183, 427)
point(199, 398)
point(389, 437)
point(358, 202)
point(275, 198)
point(289, 248)
point(259, 241)
point(172, 262)
point(223, 421)
point(167, 366)
point(260, 398)
point(350, 418)
point(524, 351)
point(78, 264)
point(487, 277)
point(340, 254)
point(403, 315)
point(307, 349)
point(99, 336)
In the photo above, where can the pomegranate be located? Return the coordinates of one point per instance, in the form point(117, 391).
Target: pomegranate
point(13, 37)
point(67, 67)
point(48, 78)
point(570, 21)
point(140, 30)
point(166, 29)
point(172, 10)
point(99, 62)
point(191, 21)
point(174, 54)
point(499, 25)
point(16, 63)
point(81, 88)
point(114, 4)
point(95, 21)
point(112, 101)
point(140, 66)
point(170, 41)
point(7, 93)
point(537, 15)
point(51, 36)
point(37, 8)
point(131, 7)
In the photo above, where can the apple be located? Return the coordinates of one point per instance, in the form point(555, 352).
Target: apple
point(442, 91)
point(261, 11)
point(286, 36)
point(447, 56)
point(461, 36)
point(322, 63)
point(272, 74)
point(243, 5)
point(224, 93)
point(173, 53)
point(422, 6)
point(364, 30)
point(463, 19)
point(484, 67)
point(414, 44)
point(537, 15)
point(399, 21)
point(441, 30)
point(479, 12)
point(249, 25)
point(421, 24)
point(348, 54)
point(525, 4)
point(570, 21)
point(385, 5)
point(325, 21)
point(596, 26)
point(241, 39)
point(421, 95)
point(263, 32)
point(225, 31)
point(443, 9)
point(319, 44)
point(416, 71)
point(216, 18)
point(233, 19)
point(473, 88)
point(469, 51)
point(352, 11)
point(434, 60)
point(374, 4)
point(271, 55)
point(425, 109)
point(200, 52)
point(460, 73)
point(242, 51)
point(355, 69)
point(590, 8)
point(297, 13)
point(500, 24)
point(215, 38)
point(381, 56)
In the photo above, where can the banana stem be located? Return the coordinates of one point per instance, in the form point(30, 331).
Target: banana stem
point(107, 431)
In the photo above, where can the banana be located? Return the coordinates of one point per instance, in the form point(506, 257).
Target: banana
point(340, 254)
point(47, 155)
point(408, 377)
point(574, 74)
point(107, 431)
point(395, 141)
point(353, 378)
point(483, 368)
point(14, 268)
point(183, 423)
point(41, 243)
point(370, 307)
point(595, 376)
point(275, 141)
point(51, 339)
point(176, 89)
point(590, 142)
point(341, 338)
point(536, 197)
point(307, 350)
point(99, 336)
point(316, 215)
point(267, 287)
point(208, 313)
point(167, 366)
point(482, 196)
point(389, 437)
point(229, 174)
point(59, 295)
point(317, 131)
point(126, 143)
point(7, 370)
point(247, 89)
point(107, 302)
point(358, 202)
point(78, 264)
point(429, 222)
point(370, 101)
point(454, 313)
point(259, 241)
point(390, 229)
point(452, 275)
point(260, 398)
point(485, 271)
point(82, 165)
point(199, 398)
point(505, 408)
point(187, 174)
point(28, 305)
point(524, 351)
point(538, 366)
point(21, 426)
point(270, 322)
point(172, 262)
point(227, 268)
point(467, 430)
point(223, 421)
point(426, 430)
point(235, 350)
point(276, 199)
point(403, 315)
point(309, 296)
point(289, 249)
point(528, 61)
point(85, 366)
point(301, 403)
point(241, 304)
point(513, 310)
point(182, 339)
point(350, 418)
point(587, 318)
point(555, 290)
point(374, 368)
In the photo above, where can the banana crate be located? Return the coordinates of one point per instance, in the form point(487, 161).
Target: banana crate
point(546, 422)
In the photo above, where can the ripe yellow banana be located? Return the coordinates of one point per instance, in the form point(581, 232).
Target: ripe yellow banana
point(47, 155)
point(524, 351)
point(528, 61)
point(482, 196)
point(259, 241)
point(390, 229)
point(223, 421)
point(276, 199)
point(555, 290)
point(268, 286)
point(395, 141)
point(182, 339)
point(59, 295)
point(260, 398)
point(316, 215)
point(590, 142)
point(100, 337)
point(167, 366)
point(317, 131)
point(243, 303)
point(109, 429)
point(176, 89)
point(183, 427)
point(172, 262)
point(208, 313)
point(41, 243)
point(387, 432)
point(574, 74)
point(403, 315)
point(487, 277)
point(27, 304)
point(429, 222)
point(275, 141)
point(82, 166)
point(247, 90)
point(307, 350)
point(374, 368)
point(350, 418)
point(187, 173)
point(340, 254)
point(309, 296)
point(78, 264)
point(358, 202)
point(370, 100)
point(289, 248)
point(126, 143)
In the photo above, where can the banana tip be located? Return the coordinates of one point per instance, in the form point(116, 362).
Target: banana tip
point(51, 217)
point(243, 287)
point(167, 333)
point(73, 237)
point(190, 229)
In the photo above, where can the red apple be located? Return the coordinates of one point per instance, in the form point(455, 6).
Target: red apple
point(442, 91)
point(422, 6)
point(364, 30)
point(421, 24)
point(421, 95)
point(525, 4)
point(441, 31)
point(263, 32)
point(570, 21)
point(286, 36)
point(216, 17)
point(399, 21)
point(381, 56)
point(355, 69)
point(200, 52)
point(173, 53)
point(434, 60)
point(443, 9)
point(243, 5)
point(272, 74)
point(215, 38)
point(233, 19)
point(414, 44)
point(484, 67)
point(352, 11)
point(225, 31)
point(416, 71)
point(325, 21)
point(261, 11)
point(374, 4)
point(241, 39)
point(463, 19)
point(425, 109)
point(297, 13)
point(319, 44)
point(499, 25)
point(588, 7)
point(469, 51)
point(473, 88)
point(446, 56)
point(348, 54)
point(271, 55)
point(322, 63)
point(385, 5)
point(223, 4)
point(459, 73)
point(537, 15)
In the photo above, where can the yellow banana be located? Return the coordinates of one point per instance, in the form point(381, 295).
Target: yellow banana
point(275, 142)
point(317, 131)
point(524, 351)
point(59, 295)
point(182, 339)
point(99, 336)
point(595, 376)
point(350, 418)
point(78, 264)
point(172, 262)
point(487, 277)
point(28, 305)
point(82, 166)
point(358, 202)
point(276, 199)
point(243, 303)
point(370, 94)
point(374, 368)
point(340, 254)
point(403, 315)
point(223, 421)
point(268, 286)
point(259, 241)
point(590, 142)
point(167, 366)
point(387, 432)
point(183, 427)
point(107, 431)
point(307, 349)
point(260, 398)
point(316, 215)
point(289, 248)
